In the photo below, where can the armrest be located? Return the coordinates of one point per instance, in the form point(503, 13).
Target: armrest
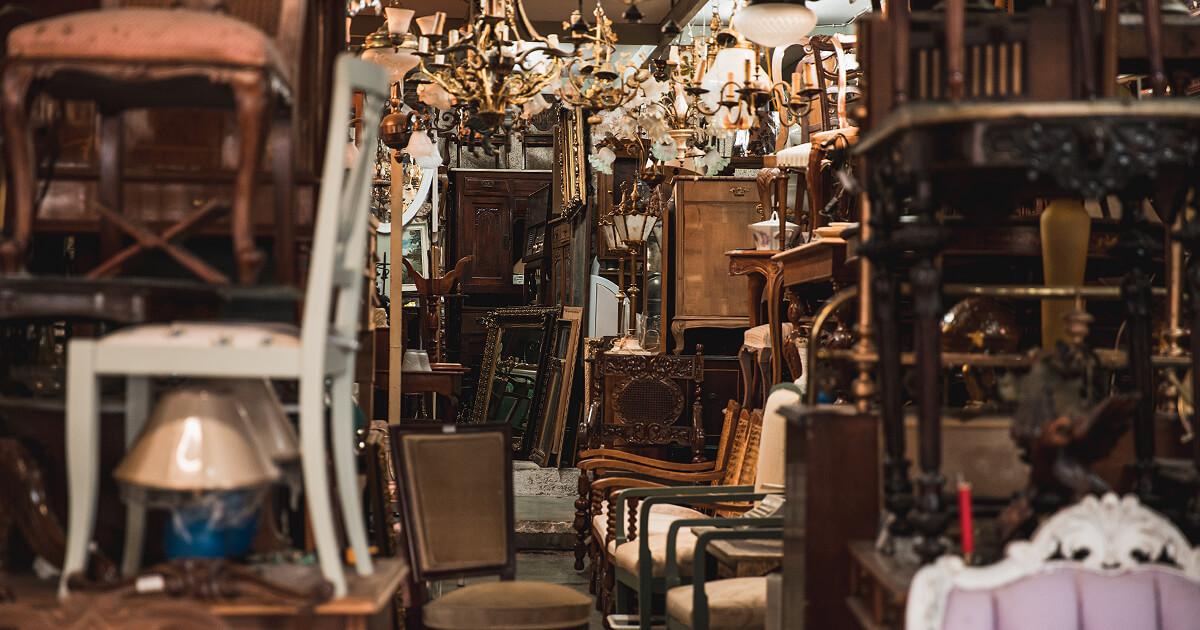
point(699, 596)
point(677, 496)
point(671, 566)
point(610, 453)
point(745, 527)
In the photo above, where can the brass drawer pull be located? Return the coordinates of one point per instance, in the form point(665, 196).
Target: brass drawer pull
point(738, 191)
point(487, 183)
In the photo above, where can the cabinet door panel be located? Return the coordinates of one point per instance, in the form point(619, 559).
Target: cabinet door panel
point(711, 218)
point(487, 234)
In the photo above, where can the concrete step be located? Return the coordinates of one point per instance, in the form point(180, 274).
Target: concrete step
point(529, 479)
point(543, 523)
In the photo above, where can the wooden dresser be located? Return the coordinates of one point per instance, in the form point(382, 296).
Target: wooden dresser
point(711, 217)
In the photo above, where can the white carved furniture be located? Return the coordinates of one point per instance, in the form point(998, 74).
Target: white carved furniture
point(1099, 564)
point(324, 348)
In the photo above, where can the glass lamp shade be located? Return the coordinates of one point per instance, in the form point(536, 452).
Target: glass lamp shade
point(729, 65)
point(774, 23)
point(268, 422)
point(432, 25)
point(398, 20)
point(611, 238)
point(420, 146)
point(196, 440)
point(396, 62)
point(634, 228)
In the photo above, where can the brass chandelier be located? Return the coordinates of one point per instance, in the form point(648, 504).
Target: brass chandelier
point(594, 82)
point(496, 62)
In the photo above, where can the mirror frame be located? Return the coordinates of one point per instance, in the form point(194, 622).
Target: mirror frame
point(496, 321)
point(551, 431)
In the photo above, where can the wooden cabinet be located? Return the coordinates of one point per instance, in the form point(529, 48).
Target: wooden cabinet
point(711, 217)
point(489, 224)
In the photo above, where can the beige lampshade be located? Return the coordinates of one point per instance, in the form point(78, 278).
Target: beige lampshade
point(196, 440)
point(268, 422)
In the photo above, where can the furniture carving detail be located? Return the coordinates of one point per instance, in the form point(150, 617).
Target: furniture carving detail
point(1108, 535)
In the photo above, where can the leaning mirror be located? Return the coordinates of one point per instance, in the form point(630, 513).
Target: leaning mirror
point(552, 424)
point(511, 376)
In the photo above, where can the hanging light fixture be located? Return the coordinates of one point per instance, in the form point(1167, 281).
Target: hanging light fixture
point(495, 63)
point(594, 82)
point(774, 23)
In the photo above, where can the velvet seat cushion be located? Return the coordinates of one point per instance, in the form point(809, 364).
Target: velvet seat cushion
point(508, 604)
point(628, 554)
point(733, 604)
point(1067, 597)
point(148, 35)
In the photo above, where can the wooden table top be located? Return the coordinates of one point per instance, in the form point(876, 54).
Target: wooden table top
point(365, 596)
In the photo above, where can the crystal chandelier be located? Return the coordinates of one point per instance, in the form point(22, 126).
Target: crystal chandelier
point(495, 63)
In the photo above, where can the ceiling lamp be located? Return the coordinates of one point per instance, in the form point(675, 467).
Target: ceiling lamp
point(596, 83)
point(494, 63)
point(774, 23)
point(391, 46)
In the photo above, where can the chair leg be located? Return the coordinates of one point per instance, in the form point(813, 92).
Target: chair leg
point(342, 431)
point(250, 93)
point(283, 164)
point(20, 155)
point(316, 481)
point(137, 410)
point(83, 455)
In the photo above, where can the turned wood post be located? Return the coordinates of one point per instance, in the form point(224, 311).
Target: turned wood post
point(1137, 247)
point(880, 251)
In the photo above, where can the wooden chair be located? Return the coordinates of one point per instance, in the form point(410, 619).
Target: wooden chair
point(642, 399)
point(324, 348)
point(738, 603)
point(653, 562)
point(145, 54)
point(455, 487)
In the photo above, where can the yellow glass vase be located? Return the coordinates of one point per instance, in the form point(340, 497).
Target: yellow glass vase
point(1066, 228)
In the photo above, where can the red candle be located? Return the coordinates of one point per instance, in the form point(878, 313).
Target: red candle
point(965, 519)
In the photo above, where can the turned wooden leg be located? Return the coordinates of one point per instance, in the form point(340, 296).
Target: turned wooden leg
point(20, 155)
point(250, 92)
point(582, 522)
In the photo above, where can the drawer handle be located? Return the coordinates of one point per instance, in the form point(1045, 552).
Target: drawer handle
point(487, 183)
point(738, 191)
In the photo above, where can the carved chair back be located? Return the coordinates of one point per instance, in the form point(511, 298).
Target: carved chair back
point(645, 400)
point(1101, 563)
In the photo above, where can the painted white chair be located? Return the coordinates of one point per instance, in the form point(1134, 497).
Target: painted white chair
point(1101, 564)
point(323, 348)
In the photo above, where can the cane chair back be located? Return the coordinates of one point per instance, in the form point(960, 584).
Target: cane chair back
point(456, 492)
point(645, 400)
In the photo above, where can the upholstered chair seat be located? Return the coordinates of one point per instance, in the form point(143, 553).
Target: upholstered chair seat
point(733, 604)
point(661, 517)
point(508, 604)
point(685, 547)
point(148, 35)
